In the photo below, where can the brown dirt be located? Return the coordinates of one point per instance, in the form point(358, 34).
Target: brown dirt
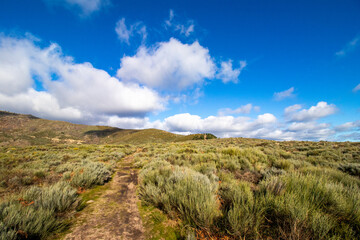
point(115, 214)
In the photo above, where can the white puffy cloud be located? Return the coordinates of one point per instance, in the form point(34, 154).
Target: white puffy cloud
point(222, 126)
point(348, 126)
point(73, 91)
point(226, 72)
point(263, 126)
point(41, 104)
point(125, 122)
point(169, 65)
point(86, 7)
point(322, 109)
point(245, 109)
point(292, 108)
point(284, 94)
point(124, 33)
point(357, 88)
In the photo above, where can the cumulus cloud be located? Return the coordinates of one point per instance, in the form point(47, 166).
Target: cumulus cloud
point(292, 108)
point(86, 7)
point(184, 29)
point(284, 94)
point(357, 88)
point(349, 47)
point(322, 109)
point(169, 65)
point(72, 91)
point(348, 126)
point(124, 33)
point(245, 109)
point(263, 126)
point(226, 72)
point(222, 126)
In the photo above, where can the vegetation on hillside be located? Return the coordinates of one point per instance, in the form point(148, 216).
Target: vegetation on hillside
point(255, 189)
point(42, 186)
point(27, 130)
point(190, 187)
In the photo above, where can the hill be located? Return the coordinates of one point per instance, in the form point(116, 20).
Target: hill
point(25, 130)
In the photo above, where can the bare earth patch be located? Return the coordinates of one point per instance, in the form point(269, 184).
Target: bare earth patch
point(115, 214)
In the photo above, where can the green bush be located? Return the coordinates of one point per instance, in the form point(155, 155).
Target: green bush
point(243, 215)
point(89, 174)
point(36, 212)
point(308, 206)
point(351, 168)
point(182, 190)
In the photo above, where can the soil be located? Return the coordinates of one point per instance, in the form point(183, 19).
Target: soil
point(114, 215)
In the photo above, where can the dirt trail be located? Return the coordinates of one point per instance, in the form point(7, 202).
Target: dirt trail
point(114, 215)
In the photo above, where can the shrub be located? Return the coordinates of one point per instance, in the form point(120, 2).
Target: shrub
point(182, 190)
point(36, 212)
point(243, 214)
point(311, 207)
point(351, 168)
point(40, 174)
point(89, 174)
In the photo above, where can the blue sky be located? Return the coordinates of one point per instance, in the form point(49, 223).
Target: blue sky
point(267, 69)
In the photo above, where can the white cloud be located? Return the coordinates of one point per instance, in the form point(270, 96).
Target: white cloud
point(228, 74)
point(357, 88)
point(245, 109)
point(41, 104)
point(80, 91)
point(124, 33)
point(348, 126)
point(168, 22)
point(322, 109)
point(349, 47)
point(86, 7)
point(125, 122)
point(284, 94)
point(263, 126)
point(169, 65)
point(292, 108)
point(184, 29)
point(222, 126)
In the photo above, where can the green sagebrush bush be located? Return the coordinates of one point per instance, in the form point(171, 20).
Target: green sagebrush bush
point(36, 212)
point(244, 215)
point(350, 168)
point(182, 190)
point(305, 206)
point(90, 173)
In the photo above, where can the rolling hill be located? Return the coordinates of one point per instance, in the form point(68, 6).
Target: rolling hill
point(24, 130)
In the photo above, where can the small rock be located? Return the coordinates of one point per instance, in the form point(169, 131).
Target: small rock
point(90, 201)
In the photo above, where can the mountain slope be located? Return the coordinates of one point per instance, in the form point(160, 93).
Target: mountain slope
point(23, 130)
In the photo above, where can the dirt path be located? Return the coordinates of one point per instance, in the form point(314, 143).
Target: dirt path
point(114, 215)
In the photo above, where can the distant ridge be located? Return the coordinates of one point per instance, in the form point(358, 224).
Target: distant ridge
point(23, 130)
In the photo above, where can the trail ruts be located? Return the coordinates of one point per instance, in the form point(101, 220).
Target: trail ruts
point(114, 215)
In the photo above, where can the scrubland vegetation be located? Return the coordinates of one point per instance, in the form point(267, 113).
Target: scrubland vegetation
point(255, 189)
point(42, 186)
point(214, 189)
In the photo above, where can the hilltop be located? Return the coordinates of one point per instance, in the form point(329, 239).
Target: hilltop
point(24, 130)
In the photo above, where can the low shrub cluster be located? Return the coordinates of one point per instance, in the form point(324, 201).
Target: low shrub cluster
point(39, 185)
point(255, 189)
point(89, 174)
point(181, 191)
point(36, 212)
